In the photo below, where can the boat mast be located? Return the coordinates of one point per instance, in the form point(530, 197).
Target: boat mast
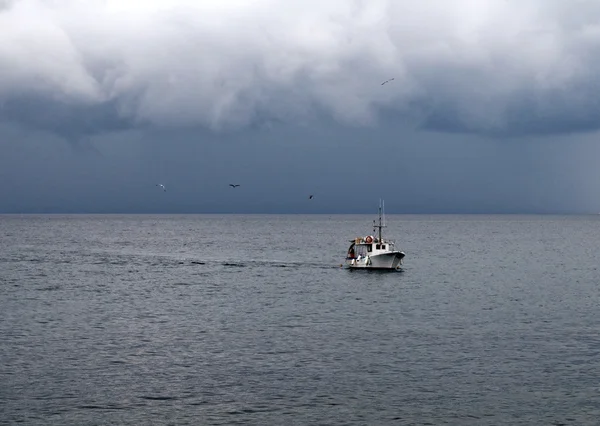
point(381, 224)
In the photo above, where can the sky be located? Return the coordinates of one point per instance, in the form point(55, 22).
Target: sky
point(494, 106)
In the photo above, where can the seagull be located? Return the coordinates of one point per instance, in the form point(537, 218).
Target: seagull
point(162, 186)
point(310, 197)
point(387, 81)
point(232, 185)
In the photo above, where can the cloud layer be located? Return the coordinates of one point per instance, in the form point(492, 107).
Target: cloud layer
point(497, 67)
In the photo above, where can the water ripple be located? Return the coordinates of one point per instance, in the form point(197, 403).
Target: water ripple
point(135, 320)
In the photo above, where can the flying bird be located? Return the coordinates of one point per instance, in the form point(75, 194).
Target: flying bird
point(232, 185)
point(162, 186)
point(387, 81)
point(310, 197)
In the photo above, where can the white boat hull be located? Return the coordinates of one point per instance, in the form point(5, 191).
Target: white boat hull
point(390, 260)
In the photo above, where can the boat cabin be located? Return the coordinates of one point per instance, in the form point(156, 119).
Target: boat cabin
point(366, 246)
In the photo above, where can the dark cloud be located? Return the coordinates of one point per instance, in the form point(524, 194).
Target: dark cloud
point(348, 170)
point(492, 107)
point(68, 121)
point(495, 68)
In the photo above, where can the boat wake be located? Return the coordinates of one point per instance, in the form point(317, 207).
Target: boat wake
point(264, 263)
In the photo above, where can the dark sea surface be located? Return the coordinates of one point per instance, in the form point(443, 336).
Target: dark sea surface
point(238, 319)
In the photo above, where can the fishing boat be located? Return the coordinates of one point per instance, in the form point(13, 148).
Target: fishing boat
point(374, 251)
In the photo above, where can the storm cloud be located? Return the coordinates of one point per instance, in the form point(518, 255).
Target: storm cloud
point(495, 67)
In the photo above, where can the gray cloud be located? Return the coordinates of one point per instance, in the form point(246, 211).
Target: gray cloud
point(498, 67)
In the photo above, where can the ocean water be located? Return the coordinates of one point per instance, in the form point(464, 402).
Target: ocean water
point(220, 320)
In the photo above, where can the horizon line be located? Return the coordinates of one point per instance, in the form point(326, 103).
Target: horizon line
point(302, 213)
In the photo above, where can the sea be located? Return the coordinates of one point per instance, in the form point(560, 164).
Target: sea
point(249, 319)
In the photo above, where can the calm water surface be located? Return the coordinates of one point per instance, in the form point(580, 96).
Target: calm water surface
point(250, 320)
